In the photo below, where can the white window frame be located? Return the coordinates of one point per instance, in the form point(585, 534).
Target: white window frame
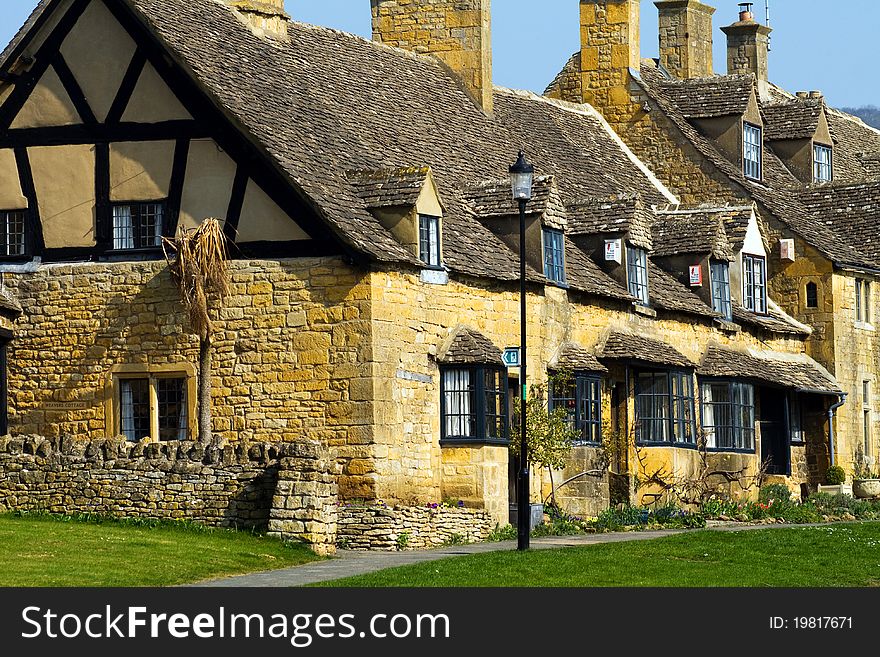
point(823, 163)
point(753, 155)
point(637, 274)
point(754, 287)
point(429, 240)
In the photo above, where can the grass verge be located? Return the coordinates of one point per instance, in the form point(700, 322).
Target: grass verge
point(38, 550)
point(829, 556)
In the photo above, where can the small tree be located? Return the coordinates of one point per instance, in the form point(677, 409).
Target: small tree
point(198, 259)
point(549, 434)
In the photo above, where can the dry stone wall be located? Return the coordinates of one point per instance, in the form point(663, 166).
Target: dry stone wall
point(410, 528)
point(244, 486)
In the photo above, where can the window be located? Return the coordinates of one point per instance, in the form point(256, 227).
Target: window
point(473, 403)
point(154, 407)
point(138, 225)
point(665, 408)
point(554, 255)
point(866, 416)
point(729, 415)
point(863, 301)
point(12, 233)
point(581, 397)
point(720, 272)
point(637, 273)
point(812, 295)
point(755, 284)
point(752, 151)
point(429, 240)
point(822, 169)
point(796, 420)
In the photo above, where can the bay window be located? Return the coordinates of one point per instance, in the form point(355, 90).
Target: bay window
point(473, 404)
point(581, 398)
point(665, 408)
point(729, 415)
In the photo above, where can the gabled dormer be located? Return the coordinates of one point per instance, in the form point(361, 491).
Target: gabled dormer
point(725, 109)
point(492, 204)
point(616, 233)
point(748, 273)
point(407, 203)
point(799, 134)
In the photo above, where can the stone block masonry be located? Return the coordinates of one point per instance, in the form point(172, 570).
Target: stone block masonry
point(288, 488)
point(410, 527)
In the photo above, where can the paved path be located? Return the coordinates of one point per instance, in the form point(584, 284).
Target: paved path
point(348, 563)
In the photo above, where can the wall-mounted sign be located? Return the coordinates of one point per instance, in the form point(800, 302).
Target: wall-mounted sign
point(66, 406)
point(511, 357)
point(786, 250)
point(613, 251)
point(696, 275)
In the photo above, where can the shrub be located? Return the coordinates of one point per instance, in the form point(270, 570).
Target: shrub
point(777, 493)
point(505, 533)
point(835, 475)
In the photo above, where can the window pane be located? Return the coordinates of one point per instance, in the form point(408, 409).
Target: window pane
point(554, 255)
point(429, 240)
point(171, 395)
point(755, 284)
point(134, 406)
point(637, 273)
point(12, 233)
point(459, 414)
point(150, 225)
point(721, 302)
point(123, 227)
point(496, 404)
point(653, 411)
point(752, 151)
point(822, 169)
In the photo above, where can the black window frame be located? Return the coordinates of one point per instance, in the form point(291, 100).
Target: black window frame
point(738, 428)
point(867, 419)
point(5, 216)
point(750, 166)
point(675, 419)
point(553, 242)
point(428, 251)
point(796, 419)
point(722, 301)
point(820, 167)
point(636, 264)
point(137, 214)
point(584, 410)
point(479, 392)
point(750, 285)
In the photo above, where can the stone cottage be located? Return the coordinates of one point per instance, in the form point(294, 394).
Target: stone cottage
point(375, 272)
point(810, 170)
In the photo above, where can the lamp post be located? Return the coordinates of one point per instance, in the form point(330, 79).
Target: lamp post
point(521, 175)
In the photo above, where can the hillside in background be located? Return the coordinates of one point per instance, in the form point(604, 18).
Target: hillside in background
point(869, 114)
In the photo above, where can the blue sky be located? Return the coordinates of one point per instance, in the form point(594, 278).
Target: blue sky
point(817, 44)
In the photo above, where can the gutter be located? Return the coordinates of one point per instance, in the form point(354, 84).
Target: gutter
point(831, 412)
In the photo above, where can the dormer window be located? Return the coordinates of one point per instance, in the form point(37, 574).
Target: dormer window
point(12, 241)
point(822, 163)
point(637, 273)
point(554, 255)
point(721, 304)
point(429, 240)
point(752, 145)
point(755, 284)
point(138, 225)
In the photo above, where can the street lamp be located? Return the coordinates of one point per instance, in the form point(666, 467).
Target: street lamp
point(521, 175)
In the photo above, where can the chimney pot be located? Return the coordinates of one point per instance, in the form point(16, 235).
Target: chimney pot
point(745, 12)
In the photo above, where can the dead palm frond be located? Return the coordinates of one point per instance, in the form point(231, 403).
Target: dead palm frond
point(198, 259)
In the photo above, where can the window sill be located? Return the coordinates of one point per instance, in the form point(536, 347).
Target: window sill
point(689, 446)
point(728, 326)
point(645, 311)
point(723, 450)
point(474, 442)
point(864, 326)
point(434, 276)
point(585, 443)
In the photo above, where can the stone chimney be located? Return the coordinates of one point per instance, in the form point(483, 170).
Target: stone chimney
point(686, 38)
point(264, 17)
point(748, 46)
point(457, 32)
point(609, 49)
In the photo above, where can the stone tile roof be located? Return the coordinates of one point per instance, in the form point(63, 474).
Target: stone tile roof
point(639, 349)
point(389, 187)
point(676, 233)
point(792, 119)
point(666, 293)
point(775, 321)
point(574, 358)
point(625, 214)
point(583, 274)
point(855, 143)
point(776, 194)
point(851, 211)
point(467, 346)
point(29, 23)
point(793, 371)
point(327, 102)
point(703, 98)
point(494, 198)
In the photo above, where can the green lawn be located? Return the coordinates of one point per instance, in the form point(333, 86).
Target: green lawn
point(830, 556)
point(41, 551)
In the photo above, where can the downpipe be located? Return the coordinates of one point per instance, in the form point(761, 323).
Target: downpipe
point(831, 413)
